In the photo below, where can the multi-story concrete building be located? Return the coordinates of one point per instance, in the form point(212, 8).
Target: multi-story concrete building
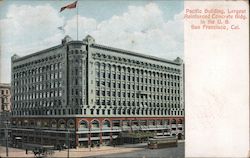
point(94, 93)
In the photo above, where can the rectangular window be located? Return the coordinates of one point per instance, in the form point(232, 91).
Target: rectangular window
point(97, 74)
point(97, 83)
point(76, 71)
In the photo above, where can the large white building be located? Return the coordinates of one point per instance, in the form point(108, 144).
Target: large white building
point(96, 93)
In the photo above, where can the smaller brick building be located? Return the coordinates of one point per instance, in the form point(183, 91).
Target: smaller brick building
point(5, 95)
point(5, 107)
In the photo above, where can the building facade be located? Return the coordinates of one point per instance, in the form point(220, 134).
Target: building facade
point(5, 107)
point(89, 93)
point(5, 95)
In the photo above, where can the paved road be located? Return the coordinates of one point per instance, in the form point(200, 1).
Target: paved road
point(174, 152)
point(128, 150)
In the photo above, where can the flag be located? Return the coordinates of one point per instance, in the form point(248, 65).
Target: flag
point(69, 6)
point(62, 28)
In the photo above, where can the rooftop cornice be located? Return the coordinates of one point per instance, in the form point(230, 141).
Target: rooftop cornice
point(7, 85)
point(76, 42)
point(135, 54)
point(37, 53)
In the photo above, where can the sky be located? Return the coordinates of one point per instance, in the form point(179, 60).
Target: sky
point(148, 27)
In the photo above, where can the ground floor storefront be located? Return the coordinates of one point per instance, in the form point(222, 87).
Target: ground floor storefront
point(90, 131)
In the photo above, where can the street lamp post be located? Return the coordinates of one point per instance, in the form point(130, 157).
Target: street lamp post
point(7, 138)
point(68, 142)
point(90, 142)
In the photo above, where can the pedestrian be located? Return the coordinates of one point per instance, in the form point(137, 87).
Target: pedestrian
point(26, 151)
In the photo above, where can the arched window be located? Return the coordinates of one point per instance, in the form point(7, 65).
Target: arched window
point(32, 122)
point(53, 124)
point(25, 122)
point(83, 124)
point(95, 124)
point(106, 124)
point(61, 124)
point(173, 121)
point(97, 64)
point(38, 123)
point(71, 124)
point(45, 123)
point(167, 122)
point(180, 121)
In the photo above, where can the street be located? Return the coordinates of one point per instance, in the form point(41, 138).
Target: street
point(128, 150)
point(174, 152)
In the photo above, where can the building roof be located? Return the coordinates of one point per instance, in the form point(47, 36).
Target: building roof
point(68, 40)
point(117, 50)
point(4, 85)
point(18, 58)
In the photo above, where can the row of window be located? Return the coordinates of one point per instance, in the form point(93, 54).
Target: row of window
point(136, 95)
point(119, 123)
point(37, 104)
point(40, 78)
point(133, 103)
point(134, 112)
point(95, 123)
point(107, 74)
point(159, 83)
point(6, 91)
point(99, 112)
point(35, 71)
point(103, 65)
point(37, 87)
point(40, 60)
point(77, 101)
point(40, 95)
point(142, 88)
point(4, 100)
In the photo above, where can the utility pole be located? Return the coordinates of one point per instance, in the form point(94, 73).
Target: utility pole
point(6, 137)
point(68, 142)
point(90, 142)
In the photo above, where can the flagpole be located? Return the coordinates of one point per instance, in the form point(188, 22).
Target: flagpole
point(77, 21)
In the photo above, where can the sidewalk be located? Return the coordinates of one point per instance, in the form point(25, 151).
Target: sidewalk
point(80, 152)
point(85, 152)
point(13, 152)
